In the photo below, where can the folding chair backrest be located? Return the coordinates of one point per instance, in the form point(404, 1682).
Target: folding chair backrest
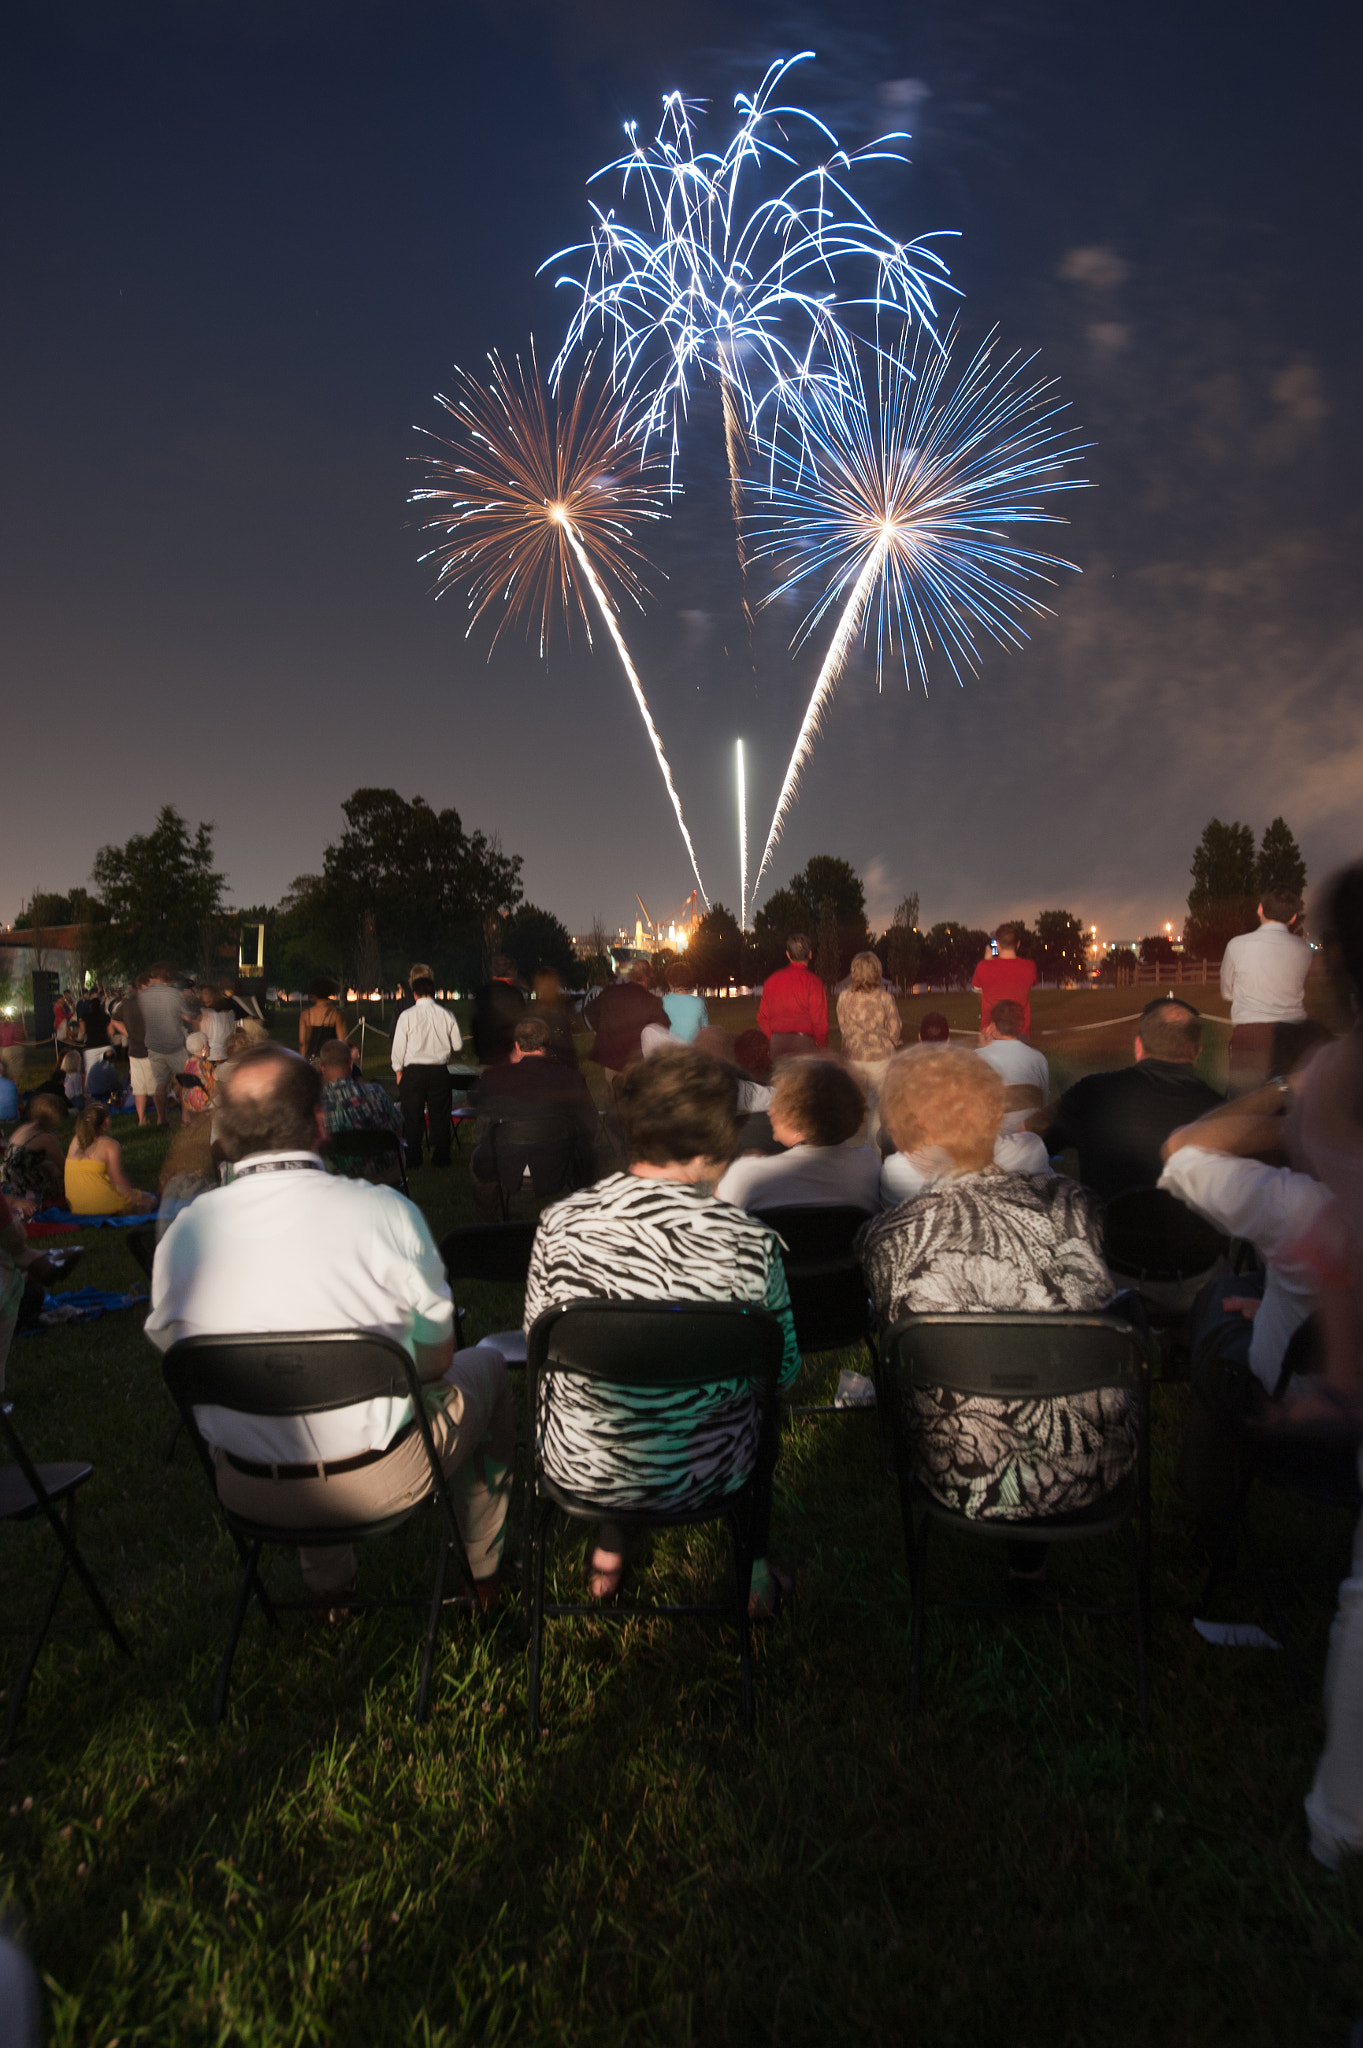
point(545, 1127)
point(1153, 1235)
point(305, 1373)
point(816, 1232)
point(657, 1343)
point(365, 1145)
point(828, 1297)
point(489, 1251)
point(1016, 1356)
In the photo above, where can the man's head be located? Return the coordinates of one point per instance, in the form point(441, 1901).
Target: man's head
point(798, 947)
point(642, 972)
point(1005, 1020)
point(503, 968)
point(934, 1029)
point(422, 985)
point(270, 1103)
point(1169, 1030)
point(1280, 906)
point(160, 970)
point(531, 1040)
point(816, 1102)
point(336, 1060)
point(1008, 936)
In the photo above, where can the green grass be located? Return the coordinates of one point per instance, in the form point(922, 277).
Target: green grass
point(1020, 1865)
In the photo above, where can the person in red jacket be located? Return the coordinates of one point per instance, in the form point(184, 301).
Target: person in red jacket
point(793, 1011)
point(1005, 979)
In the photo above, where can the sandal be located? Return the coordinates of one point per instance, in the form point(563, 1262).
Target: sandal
point(770, 1605)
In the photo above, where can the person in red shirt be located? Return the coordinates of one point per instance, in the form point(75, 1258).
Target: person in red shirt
point(793, 1012)
point(1005, 979)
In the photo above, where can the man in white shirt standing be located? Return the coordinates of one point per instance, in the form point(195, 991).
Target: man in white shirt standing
point(1263, 974)
point(425, 1040)
point(286, 1246)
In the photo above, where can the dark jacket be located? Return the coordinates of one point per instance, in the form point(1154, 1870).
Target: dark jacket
point(618, 1016)
point(497, 1009)
point(1117, 1122)
point(538, 1086)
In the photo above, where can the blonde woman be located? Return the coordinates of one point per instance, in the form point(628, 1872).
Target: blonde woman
point(96, 1184)
point(871, 1027)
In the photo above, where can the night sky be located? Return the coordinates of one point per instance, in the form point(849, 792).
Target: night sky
point(244, 243)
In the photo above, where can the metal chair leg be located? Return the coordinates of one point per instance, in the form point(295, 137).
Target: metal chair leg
point(539, 1532)
point(63, 1528)
point(743, 1562)
point(224, 1678)
point(173, 1439)
point(423, 1691)
point(920, 1597)
point(906, 1518)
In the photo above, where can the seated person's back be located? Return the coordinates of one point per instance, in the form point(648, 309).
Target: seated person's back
point(816, 1110)
point(1023, 1070)
point(529, 1085)
point(1118, 1121)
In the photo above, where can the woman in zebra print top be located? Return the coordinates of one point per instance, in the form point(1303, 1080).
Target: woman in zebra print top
point(657, 1233)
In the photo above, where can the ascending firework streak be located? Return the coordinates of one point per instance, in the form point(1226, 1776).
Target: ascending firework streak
point(902, 493)
point(528, 504)
point(704, 287)
point(742, 845)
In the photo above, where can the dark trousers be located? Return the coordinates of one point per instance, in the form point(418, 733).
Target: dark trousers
point(426, 1090)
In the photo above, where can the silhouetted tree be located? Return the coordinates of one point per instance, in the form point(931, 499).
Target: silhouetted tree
point(162, 896)
point(1157, 950)
point(1061, 946)
point(826, 893)
point(535, 938)
point(715, 955)
point(1222, 901)
point(1279, 864)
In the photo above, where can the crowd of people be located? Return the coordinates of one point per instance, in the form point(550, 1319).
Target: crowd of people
point(954, 1153)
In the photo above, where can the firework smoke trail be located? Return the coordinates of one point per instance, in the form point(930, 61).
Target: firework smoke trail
point(742, 844)
point(531, 507)
point(823, 691)
point(906, 492)
point(613, 628)
point(733, 442)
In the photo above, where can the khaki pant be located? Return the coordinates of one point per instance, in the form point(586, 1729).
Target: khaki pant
point(473, 1425)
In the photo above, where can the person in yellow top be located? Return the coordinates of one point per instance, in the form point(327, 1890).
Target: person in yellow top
point(96, 1184)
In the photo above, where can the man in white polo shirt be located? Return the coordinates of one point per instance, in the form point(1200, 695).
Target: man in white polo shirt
point(1023, 1070)
point(1263, 974)
point(286, 1246)
point(425, 1039)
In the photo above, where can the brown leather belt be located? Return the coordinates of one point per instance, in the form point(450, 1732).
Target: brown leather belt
point(321, 1469)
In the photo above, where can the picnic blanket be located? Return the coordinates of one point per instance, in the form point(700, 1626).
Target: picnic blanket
point(79, 1305)
point(48, 1220)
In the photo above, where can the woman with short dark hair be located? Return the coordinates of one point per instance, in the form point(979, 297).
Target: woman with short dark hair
point(816, 1109)
point(657, 1233)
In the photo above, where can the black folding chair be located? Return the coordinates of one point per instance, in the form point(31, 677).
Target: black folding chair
point(495, 1252)
point(1033, 1357)
point(546, 1133)
point(828, 1299)
point(27, 1491)
point(653, 1346)
point(354, 1153)
point(300, 1374)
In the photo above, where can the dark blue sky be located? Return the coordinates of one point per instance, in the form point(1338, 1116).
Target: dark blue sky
point(243, 244)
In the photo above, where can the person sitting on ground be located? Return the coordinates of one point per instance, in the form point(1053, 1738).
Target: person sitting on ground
point(350, 1103)
point(750, 1054)
point(96, 1184)
point(189, 1169)
point(319, 1020)
point(618, 1015)
point(552, 1008)
point(934, 1029)
point(532, 1084)
point(1118, 1121)
point(1263, 975)
point(498, 1007)
point(657, 1233)
point(196, 1077)
point(425, 1040)
point(905, 1174)
point(31, 1172)
point(793, 1011)
point(870, 1024)
point(1023, 1070)
point(279, 1248)
point(979, 1238)
point(9, 1092)
point(94, 1022)
point(73, 1080)
point(686, 1008)
point(104, 1082)
point(1004, 976)
point(817, 1109)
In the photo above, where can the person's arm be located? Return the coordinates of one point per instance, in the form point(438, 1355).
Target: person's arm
point(398, 1052)
point(1251, 1123)
point(1228, 974)
point(111, 1152)
point(456, 1035)
point(338, 1026)
point(303, 1033)
point(896, 1022)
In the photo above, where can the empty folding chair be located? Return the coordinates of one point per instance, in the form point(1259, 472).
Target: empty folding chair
point(27, 1491)
point(369, 1155)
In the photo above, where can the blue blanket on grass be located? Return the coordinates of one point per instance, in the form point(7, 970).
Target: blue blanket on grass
point(79, 1305)
point(70, 1222)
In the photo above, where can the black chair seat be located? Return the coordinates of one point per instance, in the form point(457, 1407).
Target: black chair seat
point(18, 1500)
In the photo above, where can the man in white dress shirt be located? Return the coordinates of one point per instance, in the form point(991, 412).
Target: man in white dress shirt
point(1263, 974)
point(425, 1040)
point(286, 1246)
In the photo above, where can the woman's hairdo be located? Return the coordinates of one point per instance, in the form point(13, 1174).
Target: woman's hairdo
point(269, 1104)
point(752, 1052)
point(679, 1105)
point(943, 1096)
point(866, 971)
point(91, 1124)
point(321, 991)
point(820, 1099)
point(46, 1112)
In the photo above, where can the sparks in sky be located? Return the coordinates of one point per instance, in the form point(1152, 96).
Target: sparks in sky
point(533, 505)
point(899, 496)
point(742, 843)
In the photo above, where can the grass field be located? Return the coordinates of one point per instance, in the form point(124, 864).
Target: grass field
point(1020, 1865)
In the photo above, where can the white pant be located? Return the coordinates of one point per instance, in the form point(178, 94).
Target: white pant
point(1334, 1805)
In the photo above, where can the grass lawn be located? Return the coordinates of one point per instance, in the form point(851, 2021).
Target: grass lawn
point(1021, 1865)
